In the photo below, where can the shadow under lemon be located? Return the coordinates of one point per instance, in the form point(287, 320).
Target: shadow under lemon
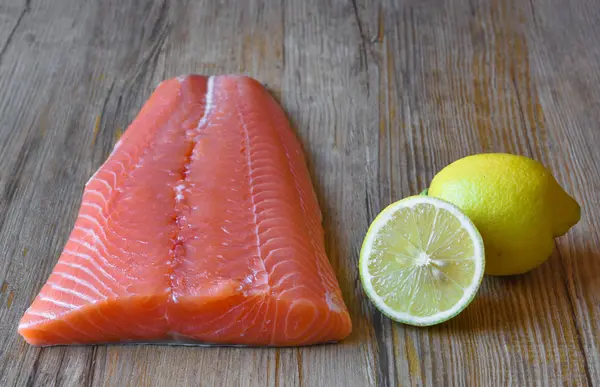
point(540, 299)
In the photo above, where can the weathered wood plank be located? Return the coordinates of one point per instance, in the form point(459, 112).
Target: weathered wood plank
point(326, 90)
point(58, 72)
point(461, 83)
point(566, 68)
point(382, 94)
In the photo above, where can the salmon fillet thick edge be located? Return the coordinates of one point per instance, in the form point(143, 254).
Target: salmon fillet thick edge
point(202, 226)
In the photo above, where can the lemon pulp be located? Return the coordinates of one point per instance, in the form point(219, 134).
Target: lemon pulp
point(422, 261)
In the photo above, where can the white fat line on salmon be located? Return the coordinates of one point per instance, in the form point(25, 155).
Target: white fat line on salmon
point(208, 105)
point(80, 282)
point(194, 133)
point(72, 292)
point(57, 302)
point(87, 203)
point(284, 278)
point(95, 222)
point(114, 175)
point(88, 272)
point(98, 194)
point(90, 259)
point(311, 232)
point(103, 166)
point(287, 323)
point(251, 183)
point(105, 183)
point(45, 317)
point(99, 242)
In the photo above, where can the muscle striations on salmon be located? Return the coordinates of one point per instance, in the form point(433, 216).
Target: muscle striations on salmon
point(202, 226)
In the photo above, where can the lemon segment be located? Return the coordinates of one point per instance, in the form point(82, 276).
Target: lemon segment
point(422, 261)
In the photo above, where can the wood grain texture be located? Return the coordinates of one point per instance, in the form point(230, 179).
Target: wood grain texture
point(383, 94)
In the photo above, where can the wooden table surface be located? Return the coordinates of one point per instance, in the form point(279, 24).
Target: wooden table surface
point(383, 94)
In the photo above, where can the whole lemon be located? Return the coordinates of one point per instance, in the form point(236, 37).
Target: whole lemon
point(516, 204)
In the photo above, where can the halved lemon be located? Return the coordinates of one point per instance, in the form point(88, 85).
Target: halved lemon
point(422, 261)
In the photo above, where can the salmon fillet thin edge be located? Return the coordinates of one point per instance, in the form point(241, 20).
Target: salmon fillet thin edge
point(201, 227)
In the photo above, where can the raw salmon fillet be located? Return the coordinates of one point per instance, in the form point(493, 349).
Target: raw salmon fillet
point(201, 227)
